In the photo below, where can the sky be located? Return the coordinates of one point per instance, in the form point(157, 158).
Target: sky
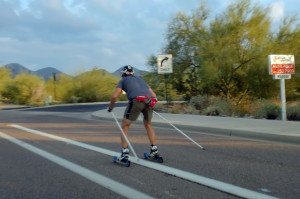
point(77, 35)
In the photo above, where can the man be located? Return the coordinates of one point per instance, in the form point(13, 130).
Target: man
point(141, 100)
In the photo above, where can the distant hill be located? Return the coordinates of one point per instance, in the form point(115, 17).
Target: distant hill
point(45, 73)
point(137, 72)
point(17, 69)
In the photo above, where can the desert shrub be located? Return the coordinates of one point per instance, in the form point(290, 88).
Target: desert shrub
point(268, 111)
point(293, 113)
point(219, 106)
point(190, 110)
point(25, 89)
point(213, 106)
point(199, 102)
point(73, 99)
point(176, 108)
point(12, 94)
point(160, 107)
point(256, 106)
point(212, 111)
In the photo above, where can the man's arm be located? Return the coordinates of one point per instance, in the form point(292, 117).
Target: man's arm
point(152, 92)
point(114, 98)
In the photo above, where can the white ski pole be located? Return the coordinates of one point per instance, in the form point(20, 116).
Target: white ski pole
point(124, 135)
point(180, 131)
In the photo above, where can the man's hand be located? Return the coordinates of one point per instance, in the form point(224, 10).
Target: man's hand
point(109, 109)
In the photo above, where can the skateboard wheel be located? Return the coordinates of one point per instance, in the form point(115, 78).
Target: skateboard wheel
point(145, 155)
point(115, 158)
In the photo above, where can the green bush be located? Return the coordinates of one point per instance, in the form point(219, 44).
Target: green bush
point(176, 108)
point(212, 111)
point(223, 107)
point(199, 102)
point(293, 113)
point(268, 111)
point(214, 106)
point(255, 106)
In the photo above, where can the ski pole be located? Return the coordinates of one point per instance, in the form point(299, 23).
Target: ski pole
point(124, 135)
point(180, 131)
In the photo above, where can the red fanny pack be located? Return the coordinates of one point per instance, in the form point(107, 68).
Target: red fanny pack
point(148, 100)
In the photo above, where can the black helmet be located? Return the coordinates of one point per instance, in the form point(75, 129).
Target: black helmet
point(127, 70)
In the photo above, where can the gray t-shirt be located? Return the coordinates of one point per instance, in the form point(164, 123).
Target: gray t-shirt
point(134, 86)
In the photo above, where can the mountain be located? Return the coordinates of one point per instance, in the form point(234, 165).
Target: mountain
point(45, 73)
point(137, 72)
point(17, 69)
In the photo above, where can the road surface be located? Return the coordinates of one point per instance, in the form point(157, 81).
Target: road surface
point(61, 152)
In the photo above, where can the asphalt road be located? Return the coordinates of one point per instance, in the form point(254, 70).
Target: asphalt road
point(35, 165)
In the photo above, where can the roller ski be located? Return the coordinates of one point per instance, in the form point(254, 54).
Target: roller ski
point(153, 156)
point(123, 159)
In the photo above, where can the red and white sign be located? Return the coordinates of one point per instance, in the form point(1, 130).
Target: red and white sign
point(281, 64)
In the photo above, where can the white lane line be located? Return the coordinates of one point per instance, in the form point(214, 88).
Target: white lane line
point(101, 180)
point(215, 184)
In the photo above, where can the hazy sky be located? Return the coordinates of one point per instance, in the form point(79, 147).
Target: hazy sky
point(76, 35)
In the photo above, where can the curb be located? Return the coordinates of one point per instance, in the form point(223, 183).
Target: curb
point(261, 136)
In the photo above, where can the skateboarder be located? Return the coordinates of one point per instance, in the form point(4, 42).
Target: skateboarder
point(141, 100)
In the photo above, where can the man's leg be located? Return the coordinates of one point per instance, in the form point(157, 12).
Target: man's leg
point(150, 132)
point(125, 126)
point(151, 136)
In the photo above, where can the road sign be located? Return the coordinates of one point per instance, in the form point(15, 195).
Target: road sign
point(282, 76)
point(164, 64)
point(281, 64)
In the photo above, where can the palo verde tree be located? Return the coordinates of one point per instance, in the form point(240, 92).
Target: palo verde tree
point(160, 83)
point(4, 78)
point(235, 49)
point(61, 88)
point(95, 85)
point(286, 40)
point(91, 86)
point(227, 56)
point(185, 36)
point(25, 89)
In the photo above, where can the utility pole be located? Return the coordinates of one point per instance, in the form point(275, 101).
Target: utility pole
point(54, 82)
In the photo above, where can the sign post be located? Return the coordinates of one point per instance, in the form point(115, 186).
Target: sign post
point(283, 99)
point(165, 66)
point(282, 66)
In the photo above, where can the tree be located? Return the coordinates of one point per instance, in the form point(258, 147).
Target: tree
point(227, 56)
point(4, 78)
point(159, 83)
point(24, 89)
point(61, 89)
point(185, 36)
point(287, 41)
point(236, 48)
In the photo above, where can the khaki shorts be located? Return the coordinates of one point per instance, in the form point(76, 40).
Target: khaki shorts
point(134, 108)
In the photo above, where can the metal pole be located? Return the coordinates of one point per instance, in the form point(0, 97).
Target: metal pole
point(166, 87)
point(124, 135)
point(54, 82)
point(283, 99)
point(185, 135)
